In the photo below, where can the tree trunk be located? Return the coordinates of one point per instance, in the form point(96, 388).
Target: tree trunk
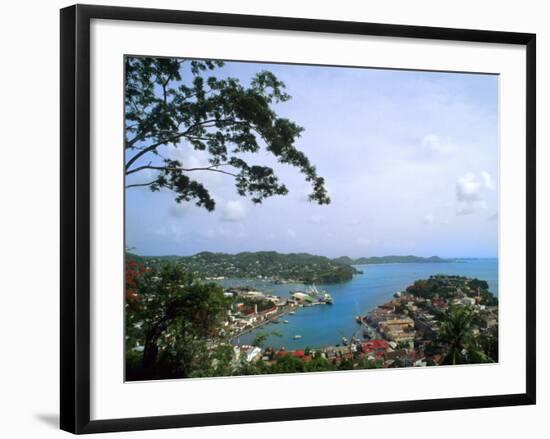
point(151, 349)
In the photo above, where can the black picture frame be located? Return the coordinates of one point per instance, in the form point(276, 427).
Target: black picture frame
point(75, 217)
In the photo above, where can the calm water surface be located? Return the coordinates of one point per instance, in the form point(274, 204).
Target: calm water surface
point(326, 324)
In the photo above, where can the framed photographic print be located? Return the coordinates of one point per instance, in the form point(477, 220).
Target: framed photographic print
point(268, 218)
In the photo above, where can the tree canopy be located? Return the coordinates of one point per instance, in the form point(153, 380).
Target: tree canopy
point(182, 103)
point(173, 318)
point(456, 334)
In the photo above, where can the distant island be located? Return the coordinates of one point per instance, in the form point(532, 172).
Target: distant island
point(390, 260)
point(277, 267)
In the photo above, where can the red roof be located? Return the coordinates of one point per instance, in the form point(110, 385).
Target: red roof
point(298, 354)
point(374, 344)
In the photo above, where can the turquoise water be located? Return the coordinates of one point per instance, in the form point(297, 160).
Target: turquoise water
point(325, 325)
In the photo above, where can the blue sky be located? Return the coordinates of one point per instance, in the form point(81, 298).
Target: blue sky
point(410, 161)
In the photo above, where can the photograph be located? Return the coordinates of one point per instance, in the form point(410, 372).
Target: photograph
point(296, 218)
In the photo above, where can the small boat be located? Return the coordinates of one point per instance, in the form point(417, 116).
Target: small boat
point(292, 313)
point(274, 320)
point(312, 291)
point(285, 321)
point(358, 319)
point(297, 336)
point(345, 341)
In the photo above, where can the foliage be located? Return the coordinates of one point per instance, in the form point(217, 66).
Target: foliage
point(301, 267)
point(456, 336)
point(390, 259)
point(446, 286)
point(173, 320)
point(372, 364)
point(183, 103)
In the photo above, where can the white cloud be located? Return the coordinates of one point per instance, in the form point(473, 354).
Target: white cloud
point(353, 222)
point(316, 219)
point(172, 231)
point(192, 159)
point(180, 210)
point(469, 192)
point(237, 231)
point(429, 219)
point(432, 143)
point(465, 210)
point(290, 232)
point(487, 180)
point(468, 188)
point(234, 211)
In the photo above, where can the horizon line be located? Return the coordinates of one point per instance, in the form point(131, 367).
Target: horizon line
point(312, 254)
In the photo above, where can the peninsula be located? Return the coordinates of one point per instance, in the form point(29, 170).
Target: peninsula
point(277, 267)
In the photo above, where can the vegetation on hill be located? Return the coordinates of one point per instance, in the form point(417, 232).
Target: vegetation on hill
point(447, 287)
point(298, 267)
point(389, 259)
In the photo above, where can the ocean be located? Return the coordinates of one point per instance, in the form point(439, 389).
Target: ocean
point(325, 325)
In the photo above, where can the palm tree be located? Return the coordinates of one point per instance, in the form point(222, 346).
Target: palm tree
point(456, 333)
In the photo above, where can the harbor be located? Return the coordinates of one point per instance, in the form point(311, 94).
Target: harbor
point(321, 326)
point(407, 330)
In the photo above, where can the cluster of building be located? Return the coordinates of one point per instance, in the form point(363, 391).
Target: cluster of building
point(408, 322)
point(252, 309)
point(379, 351)
point(398, 333)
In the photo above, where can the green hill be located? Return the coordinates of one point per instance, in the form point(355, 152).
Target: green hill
point(293, 267)
point(390, 260)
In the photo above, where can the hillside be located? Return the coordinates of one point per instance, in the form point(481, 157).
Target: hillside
point(297, 267)
point(292, 267)
point(389, 260)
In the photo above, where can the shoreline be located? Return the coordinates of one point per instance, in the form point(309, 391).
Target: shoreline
point(270, 320)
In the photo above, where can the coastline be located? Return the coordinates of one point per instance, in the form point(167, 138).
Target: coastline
point(320, 327)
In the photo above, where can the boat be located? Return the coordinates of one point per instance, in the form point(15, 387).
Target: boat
point(321, 296)
point(292, 313)
point(345, 341)
point(359, 319)
point(275, 320)
point(285, 321)
point(297, 336)
point(312, 291)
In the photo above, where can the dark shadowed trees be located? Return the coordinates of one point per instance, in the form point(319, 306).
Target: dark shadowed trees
point(173, 320)
point(457, 338)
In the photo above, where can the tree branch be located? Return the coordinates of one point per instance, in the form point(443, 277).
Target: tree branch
point(168, 168)
point(176, 137)
point(139, 184)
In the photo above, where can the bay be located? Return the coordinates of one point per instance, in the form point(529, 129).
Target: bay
point(325, 325)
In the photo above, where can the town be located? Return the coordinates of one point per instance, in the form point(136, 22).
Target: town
point(251, 309)
point(409, 330)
